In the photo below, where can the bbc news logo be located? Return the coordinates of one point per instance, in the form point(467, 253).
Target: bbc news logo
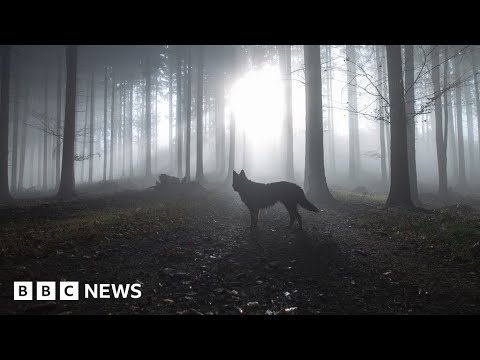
point(70, 290)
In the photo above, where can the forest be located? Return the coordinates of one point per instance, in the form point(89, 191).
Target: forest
point(145, 164)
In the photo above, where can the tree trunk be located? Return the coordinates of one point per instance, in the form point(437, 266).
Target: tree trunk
point(130, 130)
point(58, 153)
point(220, 120)
point(477, 97)
point(354, 150)
point(84, 137)
point(285, 57)
point(148, 123)
point(410, 118)
point(400, 181)
point(231, 153)
point(24, 133)
point(381, 114)
point(470, 144)
point(16, 120)
point(179, 117)
point(199, 171)
point(105, 113)
point(462, 179)
point(4, 114)
point(441, 155)
point(331, 123)
point(112, 127)
point(67, 181)
point(92, 119)
point(170, 110)
point(188, 113)
point(318, 189)
point(45, 135)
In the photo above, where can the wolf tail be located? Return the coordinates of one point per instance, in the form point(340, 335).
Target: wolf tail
point(307, 205)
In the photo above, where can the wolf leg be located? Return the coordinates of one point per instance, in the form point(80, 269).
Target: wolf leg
point(254, 217)
point(298, 217)
point(291, 213)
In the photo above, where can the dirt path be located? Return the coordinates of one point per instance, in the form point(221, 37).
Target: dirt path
point(197, 254)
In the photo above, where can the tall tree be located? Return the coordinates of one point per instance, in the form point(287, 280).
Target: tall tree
point(220, 114)
point(318, 188)
point(353, 141)
point(400, 182)
point(171, 64)
point(24, 133)
point(105, 113)
point(45, 133)
point(130, 129)
point(381, 114)
point(16, 121)
point(179, 116)
point(112, 126)
point(199, 172)
point(92, 119)
point(67, 181)
point(231, 154)
point(462, 179)
point(188, 113)
point(477, 94)
point(84, 137)
point(5, 52)
point(440, 141)
point(410, 117)
point(58, 145)
point(148, 110)
point(285, 57)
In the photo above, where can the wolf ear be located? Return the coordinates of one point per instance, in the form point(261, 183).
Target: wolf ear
point(235, 173)
point(242, 174)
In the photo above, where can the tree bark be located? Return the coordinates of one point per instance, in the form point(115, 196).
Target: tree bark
point(400, 182)
point(462, 179)
point(148, 123)
point(188, 113)
point(441, 154)
point(381, 114)
point(354, 150)
point(318, 189)
point(179, 116)
point(410, 117)
point(45, 134)
point(199, 171)
point(105, 113)
point(67, 181)
point(112, 127)
point(16, 120)
point(92, 120)
point(58, 153)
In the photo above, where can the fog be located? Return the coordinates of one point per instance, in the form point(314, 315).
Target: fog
point(253, 85)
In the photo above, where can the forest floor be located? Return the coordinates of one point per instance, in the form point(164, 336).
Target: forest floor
point(193, 252)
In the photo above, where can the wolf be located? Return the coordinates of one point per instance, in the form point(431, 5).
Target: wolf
point(260, 196)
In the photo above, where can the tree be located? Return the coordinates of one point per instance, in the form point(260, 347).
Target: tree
point(318, 189)
point(112, 127)
point(148, 111)
point(410, 117)
point(179, 115)
point(59, 121)
point(381, 113)
point(171, 64)
point(354, 147)
point(199, 172)
point(67, 181)
point(16, 121)
point(440, 139)
point(92, 119)
point(188, 113)
point(400, 182)
point(105, 113)
point(285, 57)
point(462, 179)
point(45, 133)
point(4, 115)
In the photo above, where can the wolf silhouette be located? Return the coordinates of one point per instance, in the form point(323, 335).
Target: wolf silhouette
point(258, 196)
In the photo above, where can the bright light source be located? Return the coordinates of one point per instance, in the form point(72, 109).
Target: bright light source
point(258, 106)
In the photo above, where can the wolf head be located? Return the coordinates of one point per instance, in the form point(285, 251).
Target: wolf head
point(238, 180)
